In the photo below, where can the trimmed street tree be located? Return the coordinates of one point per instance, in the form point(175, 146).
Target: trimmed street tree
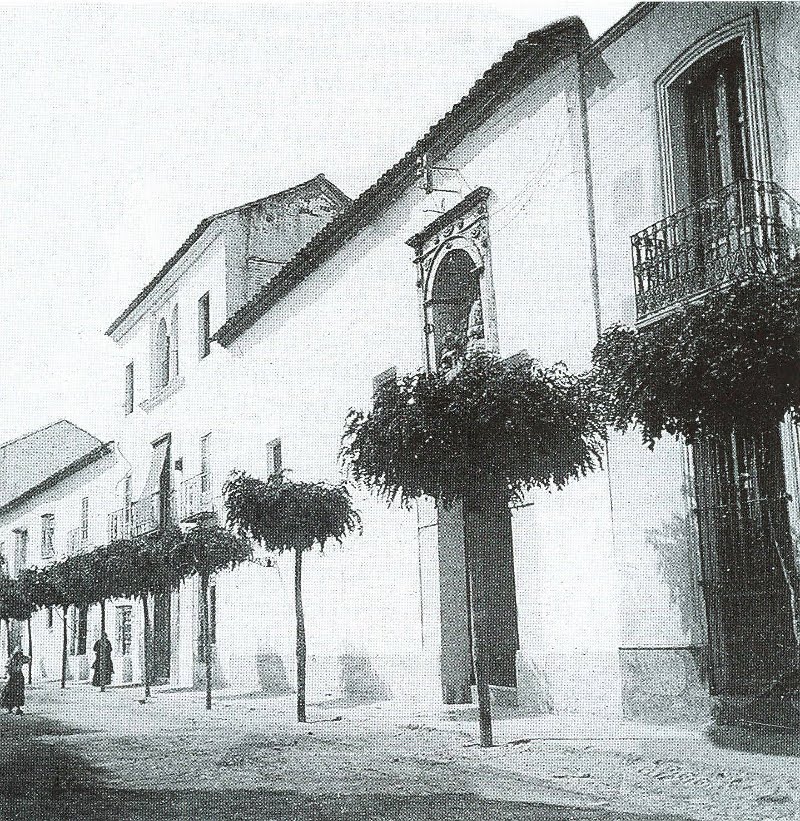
point(14, 604)
point(48, 587)
point(729, 362)
point(485, 432)
point(142, 566)
point(285, 515)
point(205, 549)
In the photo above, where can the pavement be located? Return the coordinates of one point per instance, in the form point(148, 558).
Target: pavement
point(79, 753)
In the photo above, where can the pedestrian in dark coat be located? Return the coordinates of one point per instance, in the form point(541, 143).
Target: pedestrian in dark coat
point(13, 696)
point(102, 666)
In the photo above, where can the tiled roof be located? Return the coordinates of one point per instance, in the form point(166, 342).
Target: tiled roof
point(320, 180)
point(35, 461)
point(529, 58)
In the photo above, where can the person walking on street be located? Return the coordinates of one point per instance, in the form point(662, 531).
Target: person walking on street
point(102, 666)
point(13, 696)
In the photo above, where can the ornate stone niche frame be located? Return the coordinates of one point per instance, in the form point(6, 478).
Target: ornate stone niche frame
point(464, 227)
point(746, 29)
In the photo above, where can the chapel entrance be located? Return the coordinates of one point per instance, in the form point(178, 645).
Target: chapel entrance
point(476, 549)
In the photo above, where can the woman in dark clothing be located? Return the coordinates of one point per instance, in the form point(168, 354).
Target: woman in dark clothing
point(103, 668)
point(13, 696)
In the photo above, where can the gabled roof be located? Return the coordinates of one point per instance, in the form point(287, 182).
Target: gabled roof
point(36, 461)
point(320, 181)
point(528, 59)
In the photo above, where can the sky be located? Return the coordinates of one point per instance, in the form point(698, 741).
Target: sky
point(124, 125)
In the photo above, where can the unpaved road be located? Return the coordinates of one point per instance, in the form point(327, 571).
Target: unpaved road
point(80, 754)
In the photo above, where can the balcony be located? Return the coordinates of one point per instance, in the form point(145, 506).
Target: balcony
point(194, 499)
point(119, 524)
point(77, 540)
point(746, 228)
point(152, 513)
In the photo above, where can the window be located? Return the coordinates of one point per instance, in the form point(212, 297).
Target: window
point(205, 464)
point(48, 529)
point(85, 519)
point(710, 124)
point(49, 617)
point(129, 388)
point(124, 631)
point(161, 356)
point(173, 344)
point(20, 550)
point(204, 326)
point(127, 500)
point(275, 455)
point(78, 623)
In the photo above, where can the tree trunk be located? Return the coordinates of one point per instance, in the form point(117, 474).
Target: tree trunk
point(205, 635)
point(146, 617)
point(64, 612)
point(30, 652)
point(477, 597)
point(8, 637)
point(301, 634)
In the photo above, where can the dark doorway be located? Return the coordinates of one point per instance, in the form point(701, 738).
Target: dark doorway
point(162, 645)
point(165, 517)
point(742, 514)
point(487, 532)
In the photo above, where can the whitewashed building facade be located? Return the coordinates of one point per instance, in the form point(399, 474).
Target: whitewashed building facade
point(249, 347)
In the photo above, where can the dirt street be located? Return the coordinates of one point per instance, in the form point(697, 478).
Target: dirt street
point(85, 754)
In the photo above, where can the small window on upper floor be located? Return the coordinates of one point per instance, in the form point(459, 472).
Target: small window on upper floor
point(174, 364)
point(274, 456)
point(48, 531)
point(85, 519)
point(161, 355)
point(205, 464)
point(129, 388)
point(204, 326)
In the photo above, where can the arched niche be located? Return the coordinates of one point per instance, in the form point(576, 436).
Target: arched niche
point(453, 307)
point(454, 265)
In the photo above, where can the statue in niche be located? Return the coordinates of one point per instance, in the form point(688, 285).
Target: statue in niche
point(452, 351)
point(475, 334)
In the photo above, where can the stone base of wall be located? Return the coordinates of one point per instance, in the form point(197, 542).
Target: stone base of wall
point(665, 684)
point(569, 682)
point(354, 677)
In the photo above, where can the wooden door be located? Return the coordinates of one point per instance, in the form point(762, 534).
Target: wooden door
point(162, 644)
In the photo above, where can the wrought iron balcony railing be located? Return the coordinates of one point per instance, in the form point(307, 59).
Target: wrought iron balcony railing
point(119, 524)
point(77, 540)
point(194, 498)
point(152, 513)
point(745, 228)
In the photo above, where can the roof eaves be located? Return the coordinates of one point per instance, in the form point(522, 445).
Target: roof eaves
point(515, 68)
point(334, 190)
point(87, 459)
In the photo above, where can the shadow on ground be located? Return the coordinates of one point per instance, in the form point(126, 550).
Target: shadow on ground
point(765, 740)
point(41, 779)
point(245, 805)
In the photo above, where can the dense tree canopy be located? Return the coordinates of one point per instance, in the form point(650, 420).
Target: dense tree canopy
point(731, 359)
point(508, 425)
point(283, 514)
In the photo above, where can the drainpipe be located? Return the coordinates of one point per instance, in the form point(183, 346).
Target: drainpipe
point(589, 183)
